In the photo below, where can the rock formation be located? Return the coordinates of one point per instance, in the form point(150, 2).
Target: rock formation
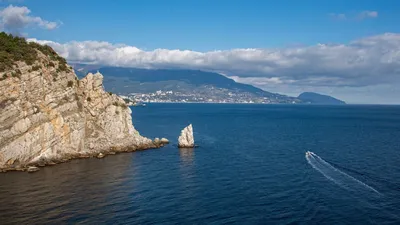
point(48, 115)
point(162, 141)
point(186, 140)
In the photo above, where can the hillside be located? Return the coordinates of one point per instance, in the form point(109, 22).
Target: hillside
point(315, 98)
point(185, 85)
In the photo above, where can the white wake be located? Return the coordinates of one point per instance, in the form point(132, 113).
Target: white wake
point(337, 176)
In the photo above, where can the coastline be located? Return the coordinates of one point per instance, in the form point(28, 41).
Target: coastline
point(299, 104)
point(73, 156)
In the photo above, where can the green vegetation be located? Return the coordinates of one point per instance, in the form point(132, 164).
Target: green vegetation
point(4, 77)
point(14, 74)
point(110, 93)
point(62, 66)
point(14, 49)
point(124, 106)
point(128, 101)
point(88, 99)
point(34, 68)
point(70, 83)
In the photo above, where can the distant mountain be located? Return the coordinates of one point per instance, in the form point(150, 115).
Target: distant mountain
point(174, 85)
point(193, 77)
point(180, 85)
point(315, 98)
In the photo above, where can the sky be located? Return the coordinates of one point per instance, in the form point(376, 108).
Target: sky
point(347, 49)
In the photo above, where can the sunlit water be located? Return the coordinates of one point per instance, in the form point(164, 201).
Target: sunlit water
point(250, 168)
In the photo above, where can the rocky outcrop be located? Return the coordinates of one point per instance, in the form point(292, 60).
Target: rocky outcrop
point(186, 139)
point(164, 141)
point(32, 169)
point(48, 115)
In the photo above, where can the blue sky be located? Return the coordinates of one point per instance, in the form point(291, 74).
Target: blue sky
point(349, 49)
point(208, 25)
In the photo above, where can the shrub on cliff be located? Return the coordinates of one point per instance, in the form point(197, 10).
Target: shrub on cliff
point(13, 49)
point(4, 77)
point(70, 83)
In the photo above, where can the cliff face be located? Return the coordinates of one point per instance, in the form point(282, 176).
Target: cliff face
point(47, 115)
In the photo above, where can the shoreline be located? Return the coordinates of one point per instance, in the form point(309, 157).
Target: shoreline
point(68, 157)
point(283, 104)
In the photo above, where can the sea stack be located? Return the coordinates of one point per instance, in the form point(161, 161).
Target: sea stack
point(186, 140)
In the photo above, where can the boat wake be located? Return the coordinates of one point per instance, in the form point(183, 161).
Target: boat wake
point(387, 183)
point(335, 175)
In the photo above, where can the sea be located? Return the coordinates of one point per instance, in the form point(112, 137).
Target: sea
point(254, 164)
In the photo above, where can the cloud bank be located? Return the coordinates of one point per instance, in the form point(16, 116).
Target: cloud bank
point(368, 61)
point(14, 19)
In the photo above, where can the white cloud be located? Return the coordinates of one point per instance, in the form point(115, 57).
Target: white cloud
point(14, 19)
point(367, 14)
point(338, 16)
point(355, 16)
point(363, 62)
point(260, 81)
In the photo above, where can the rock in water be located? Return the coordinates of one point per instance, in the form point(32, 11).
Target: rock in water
point(186, 140)
point(32, 169)
point(100, 155)
point(160, 142)
point(164, 141)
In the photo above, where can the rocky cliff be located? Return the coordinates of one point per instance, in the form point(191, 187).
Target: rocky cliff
point(48, 115)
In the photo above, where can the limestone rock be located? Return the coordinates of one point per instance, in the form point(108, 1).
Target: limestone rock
point(100, 155)
point(186, 140)
point(32, 169)
point(161, 142)
point(47, 115)
point(164, 141)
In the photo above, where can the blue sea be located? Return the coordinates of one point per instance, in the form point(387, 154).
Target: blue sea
point(251, 167)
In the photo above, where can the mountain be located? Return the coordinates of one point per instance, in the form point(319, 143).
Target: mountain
point(315, 98)
point(173, 85)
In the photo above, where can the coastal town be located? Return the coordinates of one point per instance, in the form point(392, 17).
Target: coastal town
point(206, 95)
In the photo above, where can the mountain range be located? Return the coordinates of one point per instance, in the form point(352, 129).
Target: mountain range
point(173, 85)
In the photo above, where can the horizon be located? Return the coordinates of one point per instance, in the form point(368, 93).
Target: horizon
point(348, 50)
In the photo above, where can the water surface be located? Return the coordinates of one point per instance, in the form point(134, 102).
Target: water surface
point(250, 168)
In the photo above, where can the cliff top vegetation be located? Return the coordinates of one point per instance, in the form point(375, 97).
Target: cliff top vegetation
point(14, 49)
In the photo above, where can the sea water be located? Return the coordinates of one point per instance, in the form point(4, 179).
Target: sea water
point(249, 168)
